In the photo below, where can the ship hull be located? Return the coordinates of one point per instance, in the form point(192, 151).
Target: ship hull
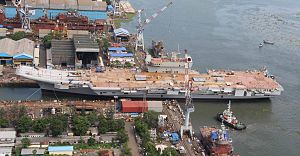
point(241, 127)
point(86, 91)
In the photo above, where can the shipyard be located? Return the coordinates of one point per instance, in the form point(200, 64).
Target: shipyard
point(85, 77)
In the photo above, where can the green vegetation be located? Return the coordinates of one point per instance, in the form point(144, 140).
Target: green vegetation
point(18, 35)
point(298, 132)
point(109, 125)
point(95, 146)
point(142, 126)
point(52, 35)
point(103, 43)
point(128, 65)
point(91, 141)
point(117, 22)
point(126, 150)
point(24, 124)
point(58, 125)
point(170, 151)
point(39, 125)
point(25, 142)
point(122, 136)
point(81, 125)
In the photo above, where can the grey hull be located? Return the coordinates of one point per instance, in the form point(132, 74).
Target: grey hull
point(111, 94)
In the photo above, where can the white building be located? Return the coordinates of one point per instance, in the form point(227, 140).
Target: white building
point(7, 137)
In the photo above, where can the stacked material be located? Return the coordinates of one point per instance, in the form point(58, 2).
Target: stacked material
point(127, 7)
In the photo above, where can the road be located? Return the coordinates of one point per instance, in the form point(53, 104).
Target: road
point(132, 144)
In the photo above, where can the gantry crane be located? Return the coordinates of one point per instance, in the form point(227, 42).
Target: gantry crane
point(24, 14)
point(189, 106)
point(140, 28)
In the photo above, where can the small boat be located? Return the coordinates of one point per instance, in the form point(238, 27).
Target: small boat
point(268, 42)
point(260, 45)
point(229, 119)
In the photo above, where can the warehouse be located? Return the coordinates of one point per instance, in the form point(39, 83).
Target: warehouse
point(141, 106)
point(92, 9)
point(62, 53)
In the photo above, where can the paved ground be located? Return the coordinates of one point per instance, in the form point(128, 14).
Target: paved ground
point(132, 144)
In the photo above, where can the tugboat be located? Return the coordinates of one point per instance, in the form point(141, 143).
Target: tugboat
point(216, 141)
point(229, 119)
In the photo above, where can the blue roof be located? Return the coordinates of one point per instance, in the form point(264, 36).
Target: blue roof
point(22, 56)
point(60, 148)
point(110, 7)
point(121, 54)
point(4, 55)
point(116, 49)
point(175, 136)
point(121, 31)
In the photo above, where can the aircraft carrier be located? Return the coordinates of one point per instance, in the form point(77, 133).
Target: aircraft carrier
point(166, 84)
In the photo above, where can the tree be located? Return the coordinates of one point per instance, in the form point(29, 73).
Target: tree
point(122, 136)
point(103, 126)
point(3, 123)
point(126, 151)
point(24, 124)
point(151, 118)
point(150, 149)
point(93, 118)
point(57, 125)
point(47, 40)
point(18, 35)
point(170, 152)
point(127, 64)
point(25, 142)
point(39, 125)
point(81, 125)
point(116, 125)
point(91, 141)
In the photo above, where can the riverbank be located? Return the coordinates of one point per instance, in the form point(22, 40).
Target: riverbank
point(10, 79)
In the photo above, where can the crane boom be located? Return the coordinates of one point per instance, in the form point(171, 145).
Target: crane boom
point(140, 37)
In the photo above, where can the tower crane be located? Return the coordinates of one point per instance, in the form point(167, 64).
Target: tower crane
point(24, 14)
point(140, 28)
point(189, 106)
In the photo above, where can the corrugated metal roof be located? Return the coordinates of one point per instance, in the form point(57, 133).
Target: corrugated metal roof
point(121, 31)
point(15, 47)
point(29, 151)
point(4, 55)
point(121, 54)
point(6, 150)
point(22, 56)
point(60, 148)
point(7, 134)
point(116, 49)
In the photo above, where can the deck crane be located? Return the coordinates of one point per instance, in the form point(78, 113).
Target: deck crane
point(189, 106)
point(140, 28)
point(24, 14)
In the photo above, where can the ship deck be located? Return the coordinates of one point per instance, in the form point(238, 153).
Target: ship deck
point(125, 78)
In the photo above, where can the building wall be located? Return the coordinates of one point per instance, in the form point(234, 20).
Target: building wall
point(61, 153)
point(122, 60)
point(52, 13)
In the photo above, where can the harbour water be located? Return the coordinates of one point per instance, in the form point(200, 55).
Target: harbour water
point(225, 34)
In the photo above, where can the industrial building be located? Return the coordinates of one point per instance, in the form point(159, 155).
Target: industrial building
point(16, 52)
point(92, 9)
point(60, 150)
point(7, 137)
point(81, 51)
point(61, 53)
point(141, 106)
point(30, 151)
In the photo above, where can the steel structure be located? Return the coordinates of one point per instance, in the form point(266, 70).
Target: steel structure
point(189, 106)
point(140, 28)
point(117, 9)
point(24, 14)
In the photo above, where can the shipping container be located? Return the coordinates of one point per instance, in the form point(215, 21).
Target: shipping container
point(134, 106)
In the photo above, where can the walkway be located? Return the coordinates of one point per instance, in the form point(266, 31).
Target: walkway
point(132, 144)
